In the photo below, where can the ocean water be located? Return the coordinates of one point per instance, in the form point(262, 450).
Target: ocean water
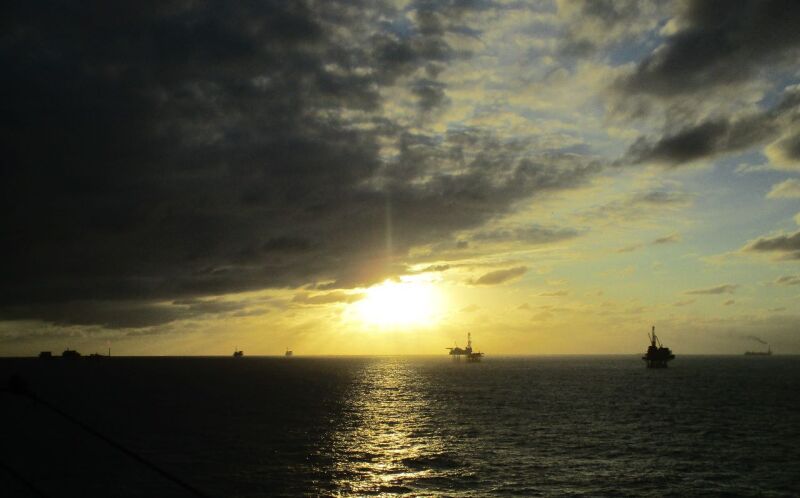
point(415, 426)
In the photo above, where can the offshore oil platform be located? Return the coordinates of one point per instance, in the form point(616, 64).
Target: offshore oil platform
point(657, 355)
point(457, 353)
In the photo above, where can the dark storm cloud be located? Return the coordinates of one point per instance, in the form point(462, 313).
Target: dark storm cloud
point(132, 314)
point(718, 136)
point(719, 42)
point(715, 48)
point(497, 277)
point(697, 142)
point(170, 150)
point(785, 246)
point(720, 289)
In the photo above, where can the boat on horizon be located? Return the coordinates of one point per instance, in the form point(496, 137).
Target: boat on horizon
point(657, 355)
point(768, 352)
point(238, 353)
point(288, 352)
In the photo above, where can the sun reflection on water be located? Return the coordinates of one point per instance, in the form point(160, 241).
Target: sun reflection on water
point(389, 438)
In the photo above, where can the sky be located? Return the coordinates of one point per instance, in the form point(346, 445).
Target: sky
point(347, 177)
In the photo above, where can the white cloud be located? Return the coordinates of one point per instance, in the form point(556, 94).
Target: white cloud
point(787, 189)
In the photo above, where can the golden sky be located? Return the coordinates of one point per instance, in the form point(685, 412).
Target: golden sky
point(553, 177)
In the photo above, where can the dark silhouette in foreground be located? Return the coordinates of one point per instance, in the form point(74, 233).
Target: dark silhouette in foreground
point(657, 355)
point(18, 386)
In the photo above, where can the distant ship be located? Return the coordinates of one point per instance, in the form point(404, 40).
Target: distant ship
point(768, 352)
point(97, 356)
point(71, 353)
point(657, 355)
point(288, 352)
point(456, 352)
point(238, 354)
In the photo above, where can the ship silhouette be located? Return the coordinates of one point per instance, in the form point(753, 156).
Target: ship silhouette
point(768, 352)
point(657, 355)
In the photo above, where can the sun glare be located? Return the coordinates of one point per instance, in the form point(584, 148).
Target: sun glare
point(404, 303)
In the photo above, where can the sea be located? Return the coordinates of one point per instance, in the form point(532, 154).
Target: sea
point(401, 426)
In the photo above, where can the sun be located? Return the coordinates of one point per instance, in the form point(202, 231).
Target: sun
point(400, 303)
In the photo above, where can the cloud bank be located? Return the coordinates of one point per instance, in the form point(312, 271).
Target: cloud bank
point(180, 150)
point(719, 289)
point(500, 276)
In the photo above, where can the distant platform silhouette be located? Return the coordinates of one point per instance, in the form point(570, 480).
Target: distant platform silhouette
point(657, 355)
point(457, 353)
